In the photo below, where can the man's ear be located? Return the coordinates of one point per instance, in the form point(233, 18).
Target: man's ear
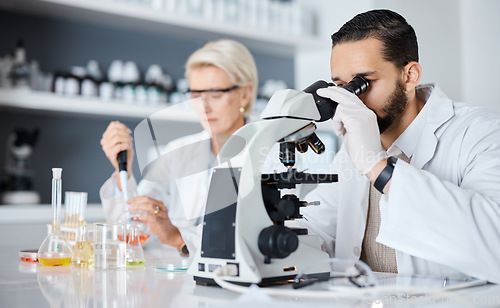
point(412, 73)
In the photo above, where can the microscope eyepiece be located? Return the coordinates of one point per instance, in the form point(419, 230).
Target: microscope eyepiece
point(358, 85)
point(326, 107)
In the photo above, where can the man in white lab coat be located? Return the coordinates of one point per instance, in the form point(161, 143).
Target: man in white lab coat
point(434, 163)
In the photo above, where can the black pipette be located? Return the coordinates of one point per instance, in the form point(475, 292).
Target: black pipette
point(122, 168)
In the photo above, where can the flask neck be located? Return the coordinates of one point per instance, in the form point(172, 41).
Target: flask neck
point(56, 204)
point(81, 236)
point(134, 236)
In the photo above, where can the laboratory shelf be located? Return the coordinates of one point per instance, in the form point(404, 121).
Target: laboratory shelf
point(25, 99)
point(28, 100)
point(42, 213)
point(140, 17)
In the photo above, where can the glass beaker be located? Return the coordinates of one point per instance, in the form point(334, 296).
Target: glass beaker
point(83, 254)
point(109, 246)
point(135, 253)
point(55, 250)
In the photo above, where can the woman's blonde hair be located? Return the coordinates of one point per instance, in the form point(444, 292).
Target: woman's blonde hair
point(233, 58)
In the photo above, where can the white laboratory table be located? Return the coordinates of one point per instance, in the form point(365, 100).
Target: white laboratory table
point(24, 284)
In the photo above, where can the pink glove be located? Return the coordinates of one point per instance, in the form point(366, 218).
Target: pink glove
point(359, 126)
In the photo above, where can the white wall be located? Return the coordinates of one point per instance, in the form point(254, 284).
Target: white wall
point(436, 24)
point(314, 64)
point(458, 42)
point(480, 30)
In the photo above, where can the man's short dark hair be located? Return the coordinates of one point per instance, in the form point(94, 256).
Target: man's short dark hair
point(397, 36)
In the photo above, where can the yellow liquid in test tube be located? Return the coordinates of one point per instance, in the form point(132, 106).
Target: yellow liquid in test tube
point(55, 261)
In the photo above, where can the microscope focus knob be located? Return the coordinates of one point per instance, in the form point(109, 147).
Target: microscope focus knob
point(277, 242)
point(287, 208)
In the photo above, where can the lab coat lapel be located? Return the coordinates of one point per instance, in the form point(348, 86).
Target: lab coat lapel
point(427, 146)
point(440, 110)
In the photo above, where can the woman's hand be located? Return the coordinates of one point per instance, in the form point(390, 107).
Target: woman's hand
point(157, 219)
point(115, 139)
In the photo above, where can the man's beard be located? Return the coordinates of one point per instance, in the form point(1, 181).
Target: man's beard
point(394, 107)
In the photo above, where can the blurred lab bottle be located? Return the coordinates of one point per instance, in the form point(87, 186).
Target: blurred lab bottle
point(20, 71)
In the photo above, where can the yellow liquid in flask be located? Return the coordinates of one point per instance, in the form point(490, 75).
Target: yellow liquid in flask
point(83, 255)
point(55, 261)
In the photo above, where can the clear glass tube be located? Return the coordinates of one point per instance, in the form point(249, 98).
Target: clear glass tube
point(56, 198)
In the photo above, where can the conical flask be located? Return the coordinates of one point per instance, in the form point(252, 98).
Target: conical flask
point(135, 253)
point(55, 250)
point(83, 254)
point(133, 219)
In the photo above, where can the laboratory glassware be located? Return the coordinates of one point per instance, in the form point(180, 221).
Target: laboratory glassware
point(83, 254)
point(29, 255)
point(109, 247)
point(135, 253)
point(75, 203)
point(55, 250)
point(132, 219)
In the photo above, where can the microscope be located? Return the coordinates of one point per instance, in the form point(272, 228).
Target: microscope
point(245, 214)
point(18, 179)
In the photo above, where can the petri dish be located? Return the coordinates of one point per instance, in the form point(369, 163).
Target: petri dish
point(29, 255)
point(178, 266)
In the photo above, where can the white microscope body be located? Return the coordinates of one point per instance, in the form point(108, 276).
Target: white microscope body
point(236, 215)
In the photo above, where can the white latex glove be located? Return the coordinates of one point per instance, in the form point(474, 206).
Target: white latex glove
point(359, 126)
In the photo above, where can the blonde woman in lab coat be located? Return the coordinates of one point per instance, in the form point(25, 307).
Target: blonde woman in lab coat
point(224, 75)
point(435, 163)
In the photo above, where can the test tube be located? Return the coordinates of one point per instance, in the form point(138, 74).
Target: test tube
point(75, 205)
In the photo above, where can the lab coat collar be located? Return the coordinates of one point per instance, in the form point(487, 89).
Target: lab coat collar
point(440, 107)
point(437, 110)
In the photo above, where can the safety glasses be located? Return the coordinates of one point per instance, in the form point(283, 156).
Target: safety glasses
point(211, 93)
